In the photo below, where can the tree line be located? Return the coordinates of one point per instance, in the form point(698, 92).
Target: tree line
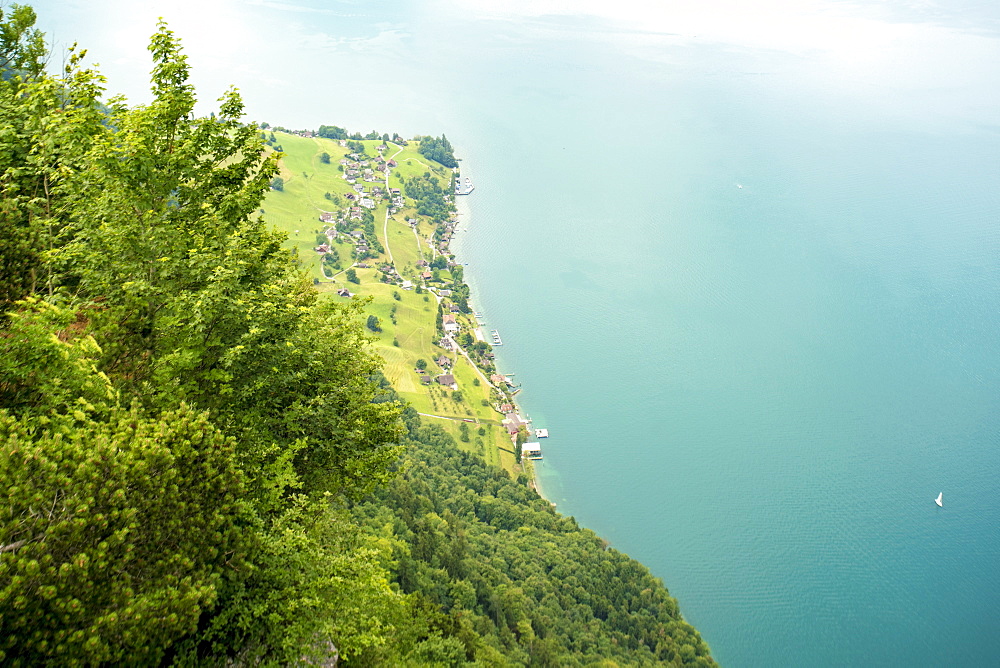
point(439, 149)
point(514, 578)
point(183, 418)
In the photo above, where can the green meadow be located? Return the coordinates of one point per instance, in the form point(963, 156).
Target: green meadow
point(408, 319)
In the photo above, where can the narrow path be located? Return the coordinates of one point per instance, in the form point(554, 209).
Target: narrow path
point(334, 277)
point(445, 417)
point(385, 225)
point(474, 420)
point(482, 374)
point(460, 349)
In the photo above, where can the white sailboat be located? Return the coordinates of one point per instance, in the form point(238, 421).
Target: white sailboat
point(938, 499)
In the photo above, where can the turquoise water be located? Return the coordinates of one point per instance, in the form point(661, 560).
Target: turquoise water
point(757, 391)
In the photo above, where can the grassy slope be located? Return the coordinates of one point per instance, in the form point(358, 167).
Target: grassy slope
point(296, 211)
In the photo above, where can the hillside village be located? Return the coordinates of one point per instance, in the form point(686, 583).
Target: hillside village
point(372, 218)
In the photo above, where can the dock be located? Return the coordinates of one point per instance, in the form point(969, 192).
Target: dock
point(497, 341)
point(464, 187)
point(541, 433)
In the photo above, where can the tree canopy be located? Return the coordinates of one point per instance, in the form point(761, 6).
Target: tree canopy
point(438, 149)
point(181, 412)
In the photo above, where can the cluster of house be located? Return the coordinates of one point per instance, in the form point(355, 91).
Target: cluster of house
point(446, 379)
point(391, 273)
point(499, 380)
point(396, 201)
point(358, 166)
point(363, 196)
point(444, 234)
point(514, 423)
point(356, 236)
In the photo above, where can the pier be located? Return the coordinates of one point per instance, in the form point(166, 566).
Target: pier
point(497, 341)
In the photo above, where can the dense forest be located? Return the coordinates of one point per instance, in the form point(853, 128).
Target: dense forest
point(438, 149)
point(517, 579)
point(200, 461)
point(430, 196)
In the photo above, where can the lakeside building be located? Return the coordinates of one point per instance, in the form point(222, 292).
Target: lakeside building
point(514, 422)
point(531, 451)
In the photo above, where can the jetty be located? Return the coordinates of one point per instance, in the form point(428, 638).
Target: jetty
point(497, 341)
point(541, 433)
point(464, 187)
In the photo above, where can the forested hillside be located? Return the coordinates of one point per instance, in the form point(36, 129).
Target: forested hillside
point(530, 582)
point(200, 461)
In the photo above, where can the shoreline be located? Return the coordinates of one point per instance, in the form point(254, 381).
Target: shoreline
point(463, 225)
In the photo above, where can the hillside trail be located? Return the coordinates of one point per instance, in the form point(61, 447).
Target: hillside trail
point(385, 225)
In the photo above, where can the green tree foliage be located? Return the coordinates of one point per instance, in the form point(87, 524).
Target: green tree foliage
point(87, 500)
point(439, 150)
point(324, 157)
point(373, 324)
point(352, 275)
point(515, 577)
point(277, 183)
point(332, 132)
point(368, 223)
point(48, 127)
point(181, 412)
point(429, 195)
point(22, 46)
point(331, 260)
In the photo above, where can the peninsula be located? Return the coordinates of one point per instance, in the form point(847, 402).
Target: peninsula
point(372, 216)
